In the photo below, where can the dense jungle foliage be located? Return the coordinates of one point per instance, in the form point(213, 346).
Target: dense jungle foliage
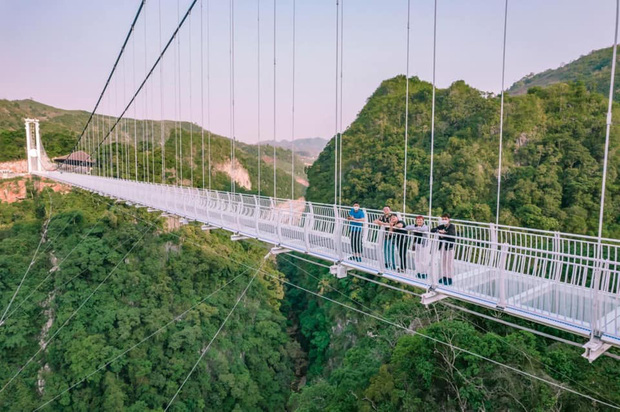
point(356, 363)
point(148, 277)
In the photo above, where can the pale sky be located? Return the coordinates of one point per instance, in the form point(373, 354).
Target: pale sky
point(60, 52)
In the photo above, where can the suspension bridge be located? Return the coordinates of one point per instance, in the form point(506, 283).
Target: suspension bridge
point(566, 281)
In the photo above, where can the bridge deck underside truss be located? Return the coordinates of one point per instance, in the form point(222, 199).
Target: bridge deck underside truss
point(545, 277)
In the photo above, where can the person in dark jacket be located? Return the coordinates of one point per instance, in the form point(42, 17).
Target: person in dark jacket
point(400, 239)
point(447, 239)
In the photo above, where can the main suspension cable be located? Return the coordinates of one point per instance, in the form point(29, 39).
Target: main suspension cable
point(150, 72)
point(118, 58)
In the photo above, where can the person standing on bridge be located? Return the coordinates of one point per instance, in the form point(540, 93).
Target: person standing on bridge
point(400, 239)
point(356, 217)
point(420, 246)
point(447, 238)
point(388, 248)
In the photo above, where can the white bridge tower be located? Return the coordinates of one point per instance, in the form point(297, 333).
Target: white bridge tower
point(33, 145)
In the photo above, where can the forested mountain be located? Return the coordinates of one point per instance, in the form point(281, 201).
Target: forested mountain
point(552, 164)
point(553, 150)
point(61, 128)
point(593, 70)
point(149, 277)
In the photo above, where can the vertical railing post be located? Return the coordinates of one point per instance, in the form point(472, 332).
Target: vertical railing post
point(278, 223)
point(492, 249)
point(309, 226)
point(380, 248)
point(557, 252)
point(596, 286)
point(434, 246)
point(338, 233)
point(238, 209)
point(208, 204)
point(256, 214)
point(501, 270)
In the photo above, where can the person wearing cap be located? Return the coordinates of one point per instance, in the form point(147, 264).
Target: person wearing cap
point(356, 217)
point(447, 238)
point(420, 246)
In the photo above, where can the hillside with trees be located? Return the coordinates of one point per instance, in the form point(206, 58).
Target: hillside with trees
point(61, 128)
point(149, 277)
point(553, 151)
point(552, 163)
point(592, 70)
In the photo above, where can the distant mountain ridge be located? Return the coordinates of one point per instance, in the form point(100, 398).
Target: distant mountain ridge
point(61, 128)
point(593, 70)
point(307, 148)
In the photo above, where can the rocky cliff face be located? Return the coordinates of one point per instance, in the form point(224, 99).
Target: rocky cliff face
point(14, 190)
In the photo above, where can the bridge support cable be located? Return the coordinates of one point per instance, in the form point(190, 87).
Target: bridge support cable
point(148, 337)
point(161, 107)
point(597, 281)
point(149, 74)
point(406, 107)
point(231, 49)
point(57, 268)
point(145, 116)
point(209, 88)
point(336, 145)
point(180, 101)
point(191, 107)
point(258, 99)
point(116, 165)
point(341, 97)
point(44, 345)
point(293, 109)
point(135, 117)
point(206, 349)
point(34, 257)
point(275, 161)
point(107, 83)
point(501, 117)
point(430, 183)
point(202, 95)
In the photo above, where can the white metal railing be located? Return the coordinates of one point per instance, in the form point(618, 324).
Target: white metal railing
point(549, 277)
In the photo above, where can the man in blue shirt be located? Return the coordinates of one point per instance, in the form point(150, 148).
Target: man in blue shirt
point(357, 218)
